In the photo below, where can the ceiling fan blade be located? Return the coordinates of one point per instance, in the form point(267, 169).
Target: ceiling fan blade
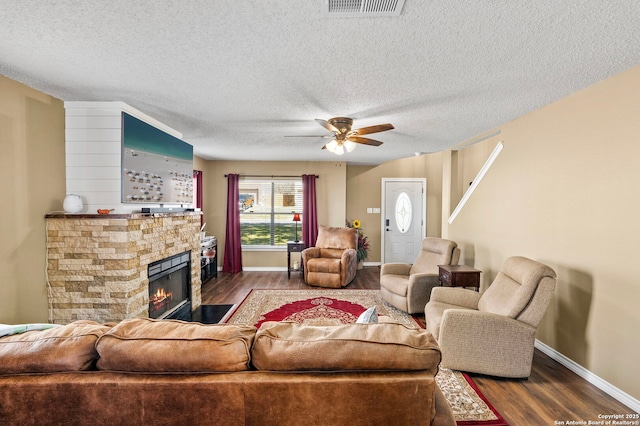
point(309, 136)
point(365, 141)
point(330, 127)
point(372, 129)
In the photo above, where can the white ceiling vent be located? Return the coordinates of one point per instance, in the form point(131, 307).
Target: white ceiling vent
point(354, 8)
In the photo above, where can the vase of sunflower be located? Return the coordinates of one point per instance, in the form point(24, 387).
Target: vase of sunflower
point(363, 242)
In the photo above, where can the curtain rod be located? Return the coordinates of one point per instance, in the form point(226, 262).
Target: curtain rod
point(271, 176)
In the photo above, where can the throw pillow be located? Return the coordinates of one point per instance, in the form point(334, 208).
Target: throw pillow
point(369, 316)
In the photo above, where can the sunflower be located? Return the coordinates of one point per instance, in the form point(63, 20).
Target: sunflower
point(356, 223)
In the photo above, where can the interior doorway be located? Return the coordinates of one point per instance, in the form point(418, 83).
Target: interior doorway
point(404, 206)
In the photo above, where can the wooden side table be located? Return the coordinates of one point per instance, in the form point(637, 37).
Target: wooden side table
point(459, 276)
point(294, 247)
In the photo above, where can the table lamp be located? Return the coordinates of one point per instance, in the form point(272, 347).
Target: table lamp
point(296, 219)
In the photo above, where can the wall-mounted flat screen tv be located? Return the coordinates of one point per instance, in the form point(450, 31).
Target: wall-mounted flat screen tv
point(156, 167)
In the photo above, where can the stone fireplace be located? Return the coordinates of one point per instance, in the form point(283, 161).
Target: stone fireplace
point(97, 265)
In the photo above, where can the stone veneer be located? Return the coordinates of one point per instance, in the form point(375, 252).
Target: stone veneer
point(97, 264)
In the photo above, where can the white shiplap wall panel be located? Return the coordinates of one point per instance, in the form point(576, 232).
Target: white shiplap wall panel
point(93, 173)
point(94, 160)
point(96, 135)
point(94, 153)
point(93, 122)
point(98, 185)
point(85, 147)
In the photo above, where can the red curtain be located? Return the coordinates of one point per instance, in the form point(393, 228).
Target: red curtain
point(197, 192)
point(233, 244)
point(309, 211)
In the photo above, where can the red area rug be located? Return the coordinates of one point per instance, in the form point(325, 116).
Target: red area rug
point(335, 307)
point(313, 307)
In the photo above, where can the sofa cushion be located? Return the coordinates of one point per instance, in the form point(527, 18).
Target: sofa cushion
point(323, 264)
point(287, 346)
point(147, 345)
point(67, 348)
point(512, 289)
point(396, 284)
point(336, 238)
point(434, 251)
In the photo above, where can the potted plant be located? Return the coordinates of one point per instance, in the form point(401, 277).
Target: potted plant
point(363, 242)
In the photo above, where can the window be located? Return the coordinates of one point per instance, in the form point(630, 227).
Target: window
point(266, 211)
point(404, 212)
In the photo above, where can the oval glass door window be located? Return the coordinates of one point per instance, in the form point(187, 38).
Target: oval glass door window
point(404, 211)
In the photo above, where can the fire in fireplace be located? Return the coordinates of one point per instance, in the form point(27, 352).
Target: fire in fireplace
point(169, 287)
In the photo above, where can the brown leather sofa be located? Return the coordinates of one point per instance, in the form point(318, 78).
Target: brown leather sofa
point(333, 261)
point(144, 371)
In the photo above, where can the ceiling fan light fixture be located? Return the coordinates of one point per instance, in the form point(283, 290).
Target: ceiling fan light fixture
point(339, 150)
point(349, 145)
point(331, 146)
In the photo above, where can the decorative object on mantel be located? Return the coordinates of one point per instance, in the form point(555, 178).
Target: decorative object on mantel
point(72, 204)
point(105, 211)
point(363, 242)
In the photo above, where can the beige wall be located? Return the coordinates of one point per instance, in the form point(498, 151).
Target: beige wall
point(364, 189)
point(564, 192)
point(330, 192)
point(33, 184)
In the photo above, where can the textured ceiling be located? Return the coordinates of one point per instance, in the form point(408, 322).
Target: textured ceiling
point(235, 77)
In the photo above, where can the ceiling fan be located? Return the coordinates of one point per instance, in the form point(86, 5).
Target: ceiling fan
point(344, 138)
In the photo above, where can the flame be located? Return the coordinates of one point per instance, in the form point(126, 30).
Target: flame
point(161, 298)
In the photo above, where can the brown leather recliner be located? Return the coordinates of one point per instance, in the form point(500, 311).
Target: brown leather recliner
point(333, 261)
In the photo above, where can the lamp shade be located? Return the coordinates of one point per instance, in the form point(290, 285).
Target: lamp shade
point(296, 217)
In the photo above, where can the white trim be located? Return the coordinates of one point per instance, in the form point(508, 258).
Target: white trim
point(264, 269)
point(486, 166)
point(595, 380)
point(284, 268)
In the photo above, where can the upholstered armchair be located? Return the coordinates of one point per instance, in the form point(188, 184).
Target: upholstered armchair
point(492, 333)
point(333, 261)
point(408, 286)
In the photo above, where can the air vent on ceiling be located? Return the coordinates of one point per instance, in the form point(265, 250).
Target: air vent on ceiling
point(353, 8)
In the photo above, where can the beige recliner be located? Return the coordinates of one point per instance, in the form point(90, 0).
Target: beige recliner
point(408, 286)
point(333, 261)
point(494, 332)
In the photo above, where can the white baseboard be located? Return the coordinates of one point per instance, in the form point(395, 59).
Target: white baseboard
point(282, 268)
point(595, 380)
point(264, 269)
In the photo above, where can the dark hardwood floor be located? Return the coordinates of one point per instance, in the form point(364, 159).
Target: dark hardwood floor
point(552, 395)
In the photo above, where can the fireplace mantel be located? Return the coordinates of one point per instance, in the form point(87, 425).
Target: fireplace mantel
point(97, 264)
point(120, 216)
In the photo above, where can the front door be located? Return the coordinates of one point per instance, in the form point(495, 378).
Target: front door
point(403, 218)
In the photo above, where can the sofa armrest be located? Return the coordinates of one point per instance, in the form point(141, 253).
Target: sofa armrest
point(456, 296)
point(349, 255)
point(486, 343)
point(419, 290)
point(310, 253)
point(395, 269)
point(423, 278)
